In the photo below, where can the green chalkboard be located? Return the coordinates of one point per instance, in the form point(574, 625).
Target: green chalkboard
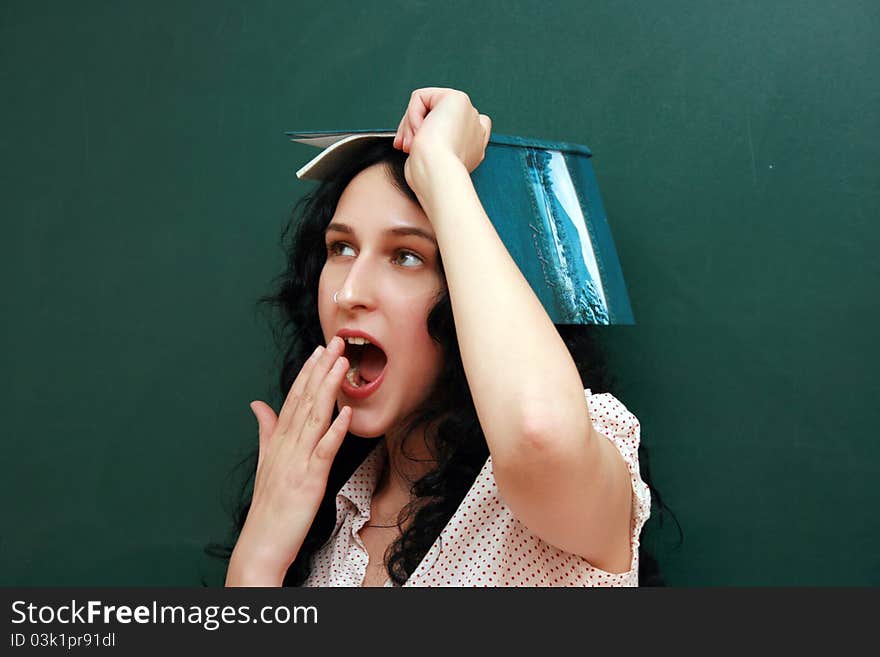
point(146, 178)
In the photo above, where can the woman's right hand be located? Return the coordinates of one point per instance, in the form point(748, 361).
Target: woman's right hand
point(296, 451)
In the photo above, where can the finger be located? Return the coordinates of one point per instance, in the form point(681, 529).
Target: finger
point(266, 421)
point(420, 103)
point(322, 410)
point(404, 134)
point(404, 129)
point(307, 400)
point(398, 137)
point(298, 387)
point(430, 96)
point(486, 122)
point(416, 113)
point(415, 116)
point(327, 448)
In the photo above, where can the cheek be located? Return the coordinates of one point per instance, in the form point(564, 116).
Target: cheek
point(325, 303)
point(426, 352)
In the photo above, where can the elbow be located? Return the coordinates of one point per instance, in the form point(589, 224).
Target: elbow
point(538, 432)
point(543, 438)
point(541, 435)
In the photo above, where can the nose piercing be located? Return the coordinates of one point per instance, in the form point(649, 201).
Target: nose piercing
point(336, 297)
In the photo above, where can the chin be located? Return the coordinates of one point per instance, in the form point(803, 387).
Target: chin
point(364, 428)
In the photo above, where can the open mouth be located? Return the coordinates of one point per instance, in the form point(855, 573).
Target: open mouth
point(366, 362)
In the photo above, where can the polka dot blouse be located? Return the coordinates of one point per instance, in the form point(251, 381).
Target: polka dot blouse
point(484, 544)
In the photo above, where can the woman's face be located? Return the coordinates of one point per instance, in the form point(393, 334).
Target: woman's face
point(382, 260)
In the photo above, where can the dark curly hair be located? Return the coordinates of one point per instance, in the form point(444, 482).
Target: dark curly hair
point(448, 413)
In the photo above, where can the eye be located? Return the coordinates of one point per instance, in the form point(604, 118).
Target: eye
point(337, 248)
point(408, 259)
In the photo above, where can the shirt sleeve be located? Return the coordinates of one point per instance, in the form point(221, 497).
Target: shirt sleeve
point(614, 421)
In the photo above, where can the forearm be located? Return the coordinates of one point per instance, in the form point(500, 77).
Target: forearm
point(252, 563)
point(244, 572)
point(237, 577)
point(522, 378)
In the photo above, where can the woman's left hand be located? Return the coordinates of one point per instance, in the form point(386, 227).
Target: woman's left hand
point(440, 122)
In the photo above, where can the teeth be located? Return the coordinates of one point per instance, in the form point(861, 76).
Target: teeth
point(351, 377)
point(357, 340)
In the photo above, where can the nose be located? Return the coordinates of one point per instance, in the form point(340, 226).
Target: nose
point(358, 288)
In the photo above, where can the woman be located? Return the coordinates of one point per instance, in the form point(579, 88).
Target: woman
point(461, 454)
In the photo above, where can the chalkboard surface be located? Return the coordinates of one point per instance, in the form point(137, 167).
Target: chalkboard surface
point(146, 178)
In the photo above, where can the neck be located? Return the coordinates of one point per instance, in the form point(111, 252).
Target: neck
point(408, 458)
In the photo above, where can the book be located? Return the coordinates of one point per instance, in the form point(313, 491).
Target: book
point(543, 200)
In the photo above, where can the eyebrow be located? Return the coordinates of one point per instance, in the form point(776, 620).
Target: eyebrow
point(399, 230)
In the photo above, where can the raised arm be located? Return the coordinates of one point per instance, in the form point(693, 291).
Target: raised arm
point(564, 481)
